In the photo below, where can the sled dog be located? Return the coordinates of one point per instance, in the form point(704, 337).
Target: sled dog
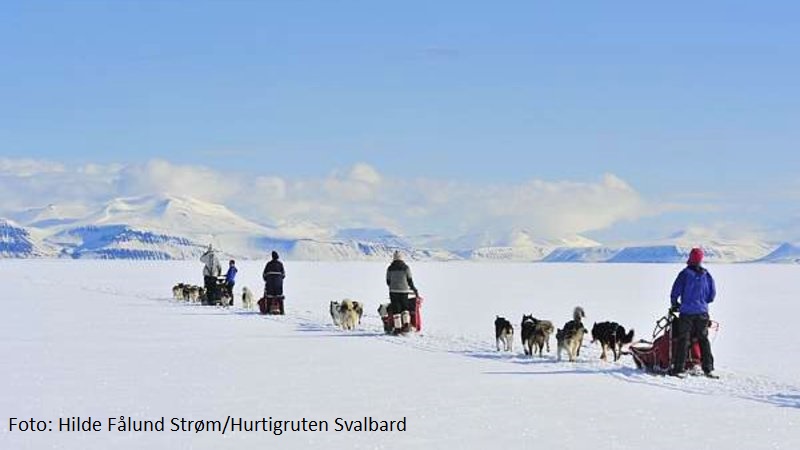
point(225, 297)
point(541, 335)
point(247, 298)
point(535, 334)
point(611, 335)
point(526, 333)
point(570, 337)
point(336, 315)
point(504, 333)
point(186, 294)
point(177, 291)
point(383, 312)
point(359, 309)
point(194, 293)
point(348, 314)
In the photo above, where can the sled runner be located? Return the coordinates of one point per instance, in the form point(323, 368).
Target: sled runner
point(656, 356)
point(414, 307)
point(271, 304)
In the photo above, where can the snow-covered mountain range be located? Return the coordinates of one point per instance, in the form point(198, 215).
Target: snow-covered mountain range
point(172, 227)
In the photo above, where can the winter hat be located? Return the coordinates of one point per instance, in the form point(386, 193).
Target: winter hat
point(274, 254)
point(397, 256)
point(695, 256)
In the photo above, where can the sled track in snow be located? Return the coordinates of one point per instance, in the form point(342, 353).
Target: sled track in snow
point(742, 386)
point(735, 385)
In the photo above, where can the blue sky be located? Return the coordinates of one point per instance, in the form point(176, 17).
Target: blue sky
point(693, 103)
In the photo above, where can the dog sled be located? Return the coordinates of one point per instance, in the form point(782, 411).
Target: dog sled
point(392, 324)
point(655, 356)
point(218, 294)
point(271, 305)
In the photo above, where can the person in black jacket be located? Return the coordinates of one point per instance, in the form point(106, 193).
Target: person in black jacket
point(273, 278)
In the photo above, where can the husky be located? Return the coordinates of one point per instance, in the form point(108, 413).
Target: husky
point(504, 332)
point(541, 335)
point(611, 334)
point(535, 334)
point(185, 293)
point(349, 316)
point(225, 297)
point(336, 314)
point(383, 312)
point(193, 293)
point(526, 333)
point(247, 298)
point(177, 291)
point(570, 337)
point(359, 309)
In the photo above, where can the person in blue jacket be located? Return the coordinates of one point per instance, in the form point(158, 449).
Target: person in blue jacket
point(692, 291)
point(230, 277)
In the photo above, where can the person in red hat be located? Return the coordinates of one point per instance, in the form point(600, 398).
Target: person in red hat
point(692, 291)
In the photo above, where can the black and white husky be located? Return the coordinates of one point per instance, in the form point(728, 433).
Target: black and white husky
point(613, 335)
point(504, 333)
point(336, 314)
point(570, 337)
point(247, 298)
point(527, 328)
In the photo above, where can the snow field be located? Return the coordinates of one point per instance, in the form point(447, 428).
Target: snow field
point(104, 339)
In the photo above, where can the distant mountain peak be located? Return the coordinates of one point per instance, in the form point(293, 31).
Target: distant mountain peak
point(18, 242)
point(785, 253)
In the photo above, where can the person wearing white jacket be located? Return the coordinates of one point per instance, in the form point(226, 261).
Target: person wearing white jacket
point(211, 270)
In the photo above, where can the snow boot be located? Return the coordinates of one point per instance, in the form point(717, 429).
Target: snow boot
point(406, 317)
point(712, 375)
point(398, 322)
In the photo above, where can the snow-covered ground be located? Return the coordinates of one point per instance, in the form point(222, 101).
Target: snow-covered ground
point(104, 339)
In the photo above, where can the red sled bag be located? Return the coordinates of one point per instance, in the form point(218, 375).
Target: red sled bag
point(416, 319)
point(270, 304)
point(275, 305)
point(415, 313)
point(656, 356)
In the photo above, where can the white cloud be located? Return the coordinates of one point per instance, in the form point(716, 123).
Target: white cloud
point(30, 183)
point(159, 176)
point(273, 188)
point(364, 173)
point(358, 196)
point(26, 167)
point(27, 183)
point(546, 208)
point(359, 184)
point(361, 196)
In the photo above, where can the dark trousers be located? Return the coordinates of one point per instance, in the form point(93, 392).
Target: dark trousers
point(686, 328)
point(399, 302)
point(211, 289)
